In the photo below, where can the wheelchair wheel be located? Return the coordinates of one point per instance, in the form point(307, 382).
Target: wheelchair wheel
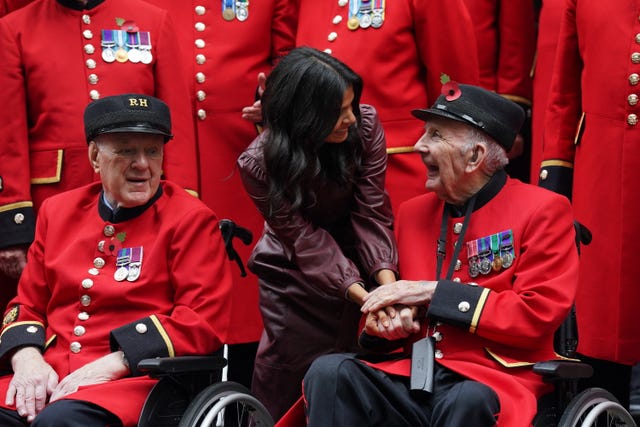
point(595, 407)
point(226, 404)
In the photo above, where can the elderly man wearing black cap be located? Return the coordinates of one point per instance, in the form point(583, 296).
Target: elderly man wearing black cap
point(121, 270)
point(489, 271)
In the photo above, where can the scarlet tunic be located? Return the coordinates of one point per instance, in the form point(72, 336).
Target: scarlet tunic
point(495, 326)
point(548, 28)
point(221, 60)
point(7, 6)
point(76, 312)
point(52, 68)
point(505, 33)
point(401, 63)
point(596, 75)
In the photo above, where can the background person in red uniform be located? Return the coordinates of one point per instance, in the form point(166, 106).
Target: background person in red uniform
point(400, 48)
point(121, 270)
point(505, 33)
point(57, 56)
point(225, 45)
point(550, 17)
point(595, 91)
point(496, 277)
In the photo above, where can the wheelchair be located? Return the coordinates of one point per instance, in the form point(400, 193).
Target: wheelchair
point(565, 407)
point(190, 391)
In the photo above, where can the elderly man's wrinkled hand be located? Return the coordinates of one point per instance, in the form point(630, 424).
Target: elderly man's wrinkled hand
point(12, 261)
point(102, 370)
point(392, 323)
point(405, 292)
point(33, 380)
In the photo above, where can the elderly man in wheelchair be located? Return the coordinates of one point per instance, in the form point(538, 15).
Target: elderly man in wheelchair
point(483, 290)
point(124, 269)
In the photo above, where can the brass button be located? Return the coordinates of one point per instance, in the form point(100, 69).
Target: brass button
point(200, 59)
point(87, 283)
point(200, 43)
point(89, 49)
point(94, 94)
point(632, 119)
point(632, 99)
point(437, 335)
point(332, 36)
point(83, 315)
point(85, 300)
point(93, 271)
point(141, 328)
point(200, 10)
point(439, 354)
point(200, 26)
point(464, 306)
point(544, 174)
point(457, 227)
point(200, 77)
point(75, 347)
point(32, 329)
point(86, 19)
point(87, 34)
point(98, 262)
point(18, 218)
point(201, 95)
point(91, 63)
point(635, 57)
point(202, 114)
point(458, 265)
point(79, 331)
point(634, 79)
point(109, 230)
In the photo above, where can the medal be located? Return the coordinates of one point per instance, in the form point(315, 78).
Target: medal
point(228, 10)
point(377, 19)
point(243, 10)
point(132, 44)
point(136, 264)
point(353, 22)
point(121, 53)
point(145, 47)
point(506, 248)
point(484, 254)
point(496, 264)
point(107, 43)
point(365, 14)
point(121, 274)
point(472, 256)
point(365, 20)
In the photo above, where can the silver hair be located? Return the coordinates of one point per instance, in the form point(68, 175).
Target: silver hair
point(496, 158)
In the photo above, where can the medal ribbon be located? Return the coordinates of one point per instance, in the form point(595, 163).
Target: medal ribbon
point(107, 38)
point(145, 40)
point(132, 40)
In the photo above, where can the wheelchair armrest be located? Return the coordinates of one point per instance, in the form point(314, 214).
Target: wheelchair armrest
point(554, 370)
point(182, 364)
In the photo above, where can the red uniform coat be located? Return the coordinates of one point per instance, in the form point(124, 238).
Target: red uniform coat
point(52, 68)
point(222, 60)
point(596, 74)
point(307, 262)
point(495, 326)
point(505, 33)
point(76, 311)
point(548, 28)
point(401, 63)
point(7, 6)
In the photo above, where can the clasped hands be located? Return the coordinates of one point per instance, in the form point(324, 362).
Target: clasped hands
point(35, 383)
point(394, 310)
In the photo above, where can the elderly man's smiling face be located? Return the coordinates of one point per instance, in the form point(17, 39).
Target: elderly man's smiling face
point(445, 152)
point(130, 166)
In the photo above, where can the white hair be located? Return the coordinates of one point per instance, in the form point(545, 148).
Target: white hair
point(496, 156)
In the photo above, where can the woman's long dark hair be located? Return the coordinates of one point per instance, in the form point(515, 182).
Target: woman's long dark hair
point(301, 105)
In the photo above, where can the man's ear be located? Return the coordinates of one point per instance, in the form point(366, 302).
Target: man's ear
point(93, 156)
point(475, 157)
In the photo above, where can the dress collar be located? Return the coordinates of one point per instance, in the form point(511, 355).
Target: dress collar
point(124, 214)
point(486, 193)
point(71, 4)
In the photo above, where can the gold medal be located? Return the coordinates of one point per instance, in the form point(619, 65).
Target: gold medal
point(353, 23)
point(497, 263)
point(121, 55)
point(228, 14)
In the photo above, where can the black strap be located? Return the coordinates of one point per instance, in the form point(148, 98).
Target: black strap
point(442, 240)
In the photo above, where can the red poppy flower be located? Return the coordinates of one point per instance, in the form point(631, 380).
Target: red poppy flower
point(111, 247)
point(130, 26)
point(451, 91)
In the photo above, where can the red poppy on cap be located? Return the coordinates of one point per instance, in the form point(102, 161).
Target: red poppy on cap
point(451, 91)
